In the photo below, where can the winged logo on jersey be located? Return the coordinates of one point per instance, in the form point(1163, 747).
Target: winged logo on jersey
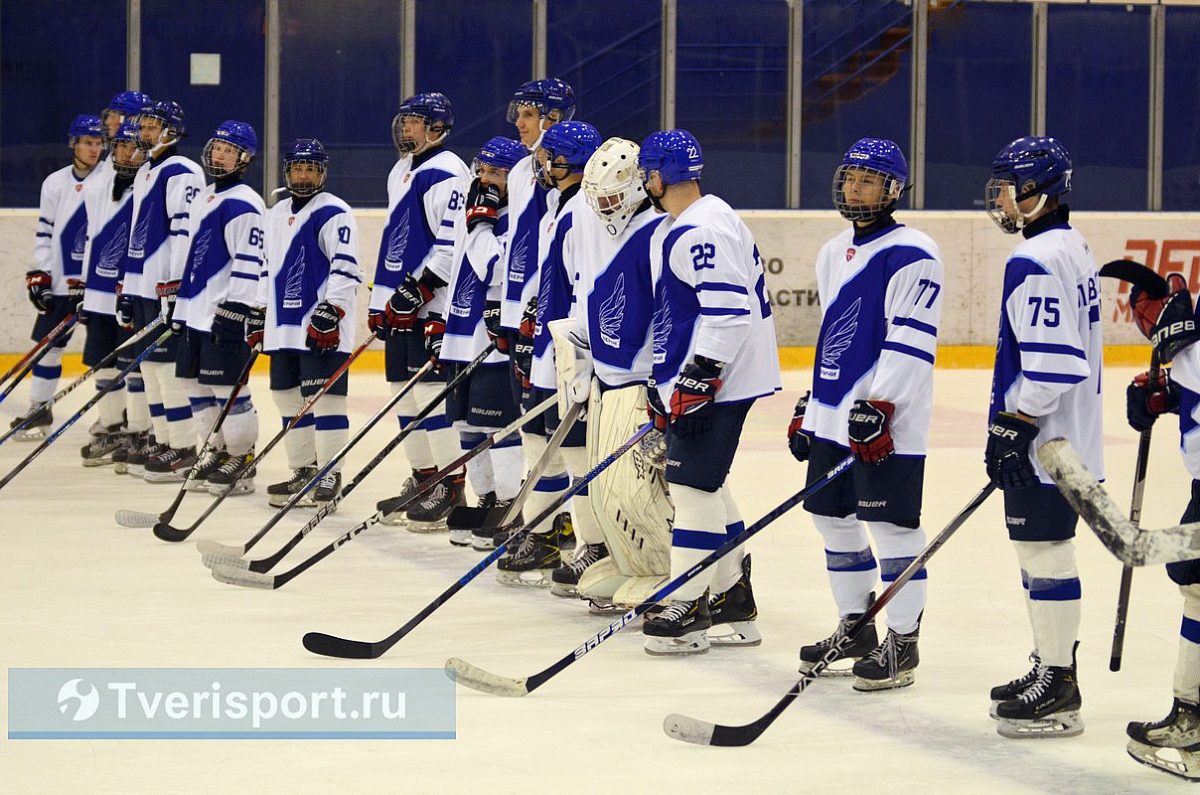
point(110, 255)
point(543, 302)
point(662, 325)
point(464, 297)
point(78, 244)
point(612, 312)
point(293, 291)
point(137, 240)
point(840, 335)
point(393, 260)
point(199, 251)
point(516, 263)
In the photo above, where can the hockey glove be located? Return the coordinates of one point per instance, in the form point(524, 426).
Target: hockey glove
point(255, 328)
point(798, 441)
point(1145, 401)
point(125, 304)
point(696, 387)
point(655, 409)
point(378, 325)
point(1169, 323)
point(1007, 454)
point(483, 205)
point(75, 288)
point(167, 292)
point(491, 323)
point(408, 299)
point(435, 331)
point(229, 324)
point(528, 327)
point(522, 352)
point(870, 430)
point(38, 285)
point(323, 328)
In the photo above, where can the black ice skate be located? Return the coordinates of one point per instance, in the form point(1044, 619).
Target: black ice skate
point(489, 534)
point(461, 521)
point(680, 628)
point(566, 578)
point(278, 494)
point(208, 463)
point(1178, 734)
point(239, 468)
point(329, 488)
point(890, 665)
point(131, 442)
point(171, 465)
point(735, 608)
point(98, 428)
point(394, 508)
point(860, 646)
point(35, 424)
point(532, 563)
point(138, 457)
point(1047, 708)
point(1017, 686)
point(99, 451)
point(428, 514)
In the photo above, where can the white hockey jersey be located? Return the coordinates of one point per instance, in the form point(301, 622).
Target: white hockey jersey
point(61, 233)
point(1185, 373)
point(426, 195)
point(557, 253)
point(225, 256)
point(108, 223)
point(1050, 350)
point(163, 191)
point(882, 300)
point(474, 280)
point(711, 301)
point(311, 256)
point(614, 293)
point(527, 206)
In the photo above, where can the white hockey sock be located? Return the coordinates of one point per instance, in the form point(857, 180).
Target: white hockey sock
point(136, 407)
point(849, 561)
point(1187, 665)
point(728, 570)
point(549, 487)
point(507, 467)
point(239, 432)
point(332, 429)
point(176, 409)
point(442, 439)
point(416, 444)
point(699, 529)
point(154, 400)
point(300, 442)
point(112, 404)
point(1054, 594)
point(204, 411)
point(44, 377)
point(587, 528)
point(897, 547)
point(480, 472)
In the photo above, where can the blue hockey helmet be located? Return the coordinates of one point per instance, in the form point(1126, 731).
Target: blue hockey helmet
point(674, 154)
point(431, 107)
point(167, 116)
point(1033, 165)
point(501, 152)
point(547, 95)
point(875, 174)
point(237, 134)
point(572, 141)
point(127, 159)
point(305, 151)
point(83, 126)
point(128, 104)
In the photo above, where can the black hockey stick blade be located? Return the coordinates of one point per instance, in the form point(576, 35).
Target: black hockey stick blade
point(1136, 274)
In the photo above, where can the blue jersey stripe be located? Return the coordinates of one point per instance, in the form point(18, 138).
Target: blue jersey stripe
point(722, 287)
point(1051, 347)
point(347, 274)
point(915, 324)
point(249, 258)
point(1053, 378)
point(908, 350)
point(345, 257)
point(719, 311)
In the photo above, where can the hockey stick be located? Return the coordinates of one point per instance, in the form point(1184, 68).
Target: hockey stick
point(163, 528)
point(57, 333)
point(251, 579)
point(142, 519)
point(477, 678)
point(691, 730)
point(1156, 287)
point(1131, 544)
point(103, 363)
point(45, 341)
point(100, 393)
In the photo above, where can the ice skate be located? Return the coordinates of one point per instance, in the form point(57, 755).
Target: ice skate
point(37, 426)
point(487, 537)
point(462, 534)
point(429, 513)
point(170, 465)
point(234, 467)
point(532, 563)
point(862, 644)
point(890, 665)
point(129, 443)
point(329, 488)
point(1049, 707)
point(734, 610)
point(206, 465)
point(1172, 744)
point(680, 628)
point(395, 508)
point(138, 456)
point(278, 494)
point(1017, 686)
point(99, 451)
point(565, 579)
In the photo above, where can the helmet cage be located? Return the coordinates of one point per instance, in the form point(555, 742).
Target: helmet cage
point(304, 189)
point(1007, 214)
point(409, 146)
point(216, 171)
point(891, 189)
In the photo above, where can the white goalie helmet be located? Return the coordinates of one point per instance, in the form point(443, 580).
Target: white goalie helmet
point(611, 184)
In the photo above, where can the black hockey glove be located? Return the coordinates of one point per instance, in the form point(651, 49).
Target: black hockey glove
point(37, 283)
point(167, 293)
point(75, 289)
point(125, 303)
point(696, 387)
point(870, 430)
point(1145, 401)
point(483, 205)
point(655, 409)
point(1169, 323)
point(798, 441)
point(255, 328)
point(435, 331)
point(491, 323)
point(522, 352)
point(323, 328)
point(229, 323)
point(1007, 452)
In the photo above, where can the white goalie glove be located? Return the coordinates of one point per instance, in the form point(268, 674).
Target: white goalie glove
point(572, 363)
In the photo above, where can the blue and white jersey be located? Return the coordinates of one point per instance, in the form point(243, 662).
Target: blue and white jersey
point(426, 194)
point(711, 301)
point(163, 191)
point(614, 293)
point(225, 256)
point(527, 206)
point(61, 228)
point(1049, 354)
point(474, 281)
point(1185, 374)
point(108, 223)
point(881, 298)
point(311, 256)
point(557, 257)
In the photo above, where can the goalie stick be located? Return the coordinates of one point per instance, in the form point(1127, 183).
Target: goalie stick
point(1131, 544)
point(252, 579)
point(127, 518)
point(163, 529)
point(699, 732)
point(59, 331)
point(477, 678)
point(37, 347)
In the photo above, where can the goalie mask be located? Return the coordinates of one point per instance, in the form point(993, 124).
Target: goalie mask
point(1031, 166)
point(612, 185)
point(871, 179)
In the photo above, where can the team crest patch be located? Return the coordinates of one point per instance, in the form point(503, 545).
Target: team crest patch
point(407, 177)
point(78, 188)
point(210, 198)
point(291, 220)
point(849, 254)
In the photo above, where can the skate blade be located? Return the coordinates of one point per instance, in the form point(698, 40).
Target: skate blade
point(564, 590)
point(396, 519)
point(164, 477)
point(740, 633)
point(903, 679)
point(278, 501)
point(600, 608)
point(482, 544)
point(845, 667)
point(120, 469)
point(1058, 724)
point(242, 487)
point(1177, 761)
point(194, 486)
point(992, 711)
point(460, 538)
point(423, 528)
point(535, 578)
point(321, 506)
point(135, 470)
point(96, 462)
point(685, 645)
point(31, 436)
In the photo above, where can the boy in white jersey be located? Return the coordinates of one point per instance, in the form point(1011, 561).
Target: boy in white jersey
point(426, 192)
point(163, 190)
point(1046, 384)
point(880, 284)
point(308, 289)
point(55, 284)
point(216, 295)
point(714, 355)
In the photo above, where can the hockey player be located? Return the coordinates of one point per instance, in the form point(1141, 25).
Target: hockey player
point(308, 289)
point(218, 290)
point(55, 283)
point(1046, 384)
point(880, 285)
point(163, 191)
point(714, 355)
point(483, 403)
point(124, 108)
point(558, 163)
point(108, 201)
point(426, 191)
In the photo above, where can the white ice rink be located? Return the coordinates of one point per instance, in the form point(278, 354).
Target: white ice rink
point(76, 590)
